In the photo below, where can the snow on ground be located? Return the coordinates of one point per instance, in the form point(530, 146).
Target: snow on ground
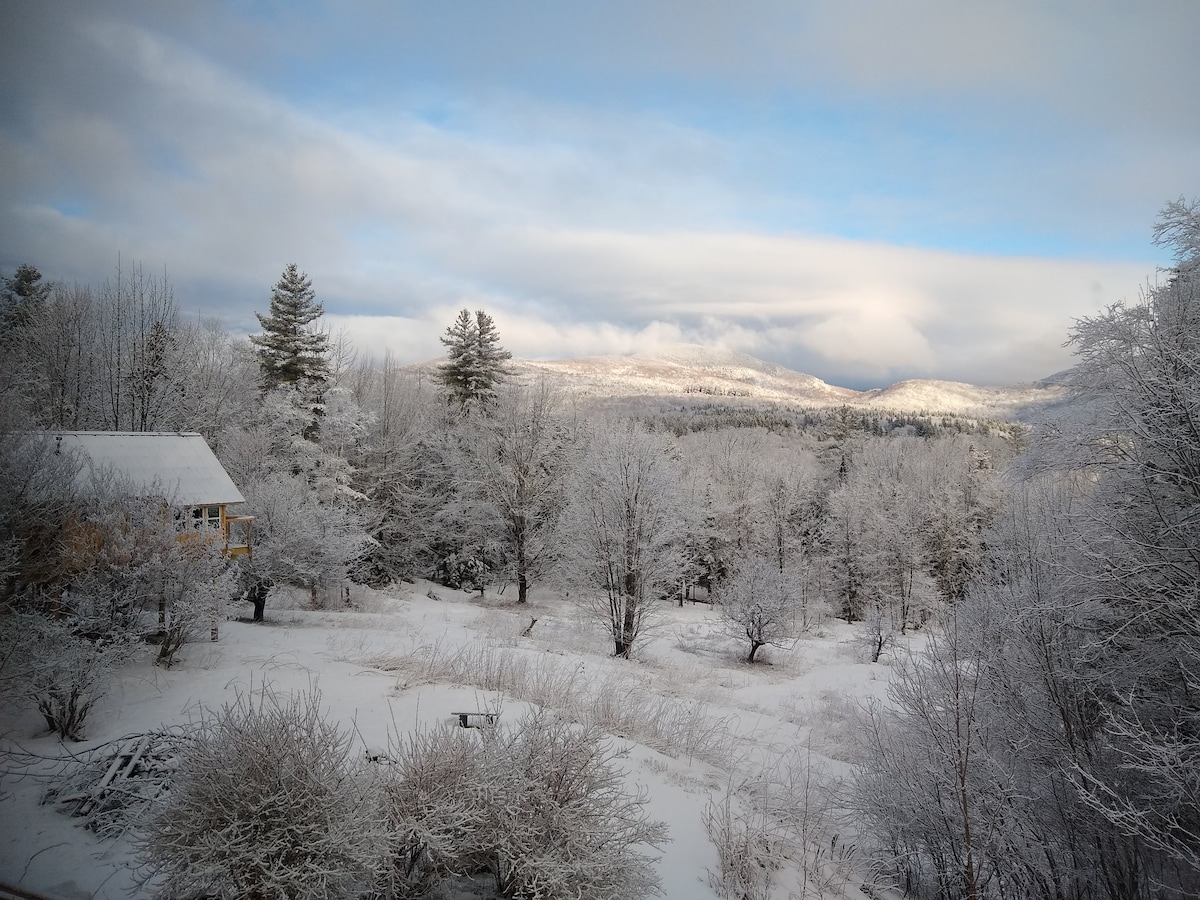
point(697, 719)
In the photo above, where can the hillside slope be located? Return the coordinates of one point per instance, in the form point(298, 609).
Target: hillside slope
point(691, 371)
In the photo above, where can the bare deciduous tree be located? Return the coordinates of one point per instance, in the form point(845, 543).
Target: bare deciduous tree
point(519, 458)
point(623, 529)
point(1046, 744)
point(761, 604)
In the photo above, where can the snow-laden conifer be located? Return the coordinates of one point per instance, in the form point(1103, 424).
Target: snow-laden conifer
point(475, 361)
point(290, 350)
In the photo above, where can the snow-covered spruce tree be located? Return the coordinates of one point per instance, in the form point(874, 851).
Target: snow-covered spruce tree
point(290, 350)
point(466, 526)
point(23, 300)
point(623, 529)
point(22, 296)
point(881, 503)
point(961, 493)
point(844, 533)
point(475, 361)
point(268, 801)
point(732, 461)
point(722, 470)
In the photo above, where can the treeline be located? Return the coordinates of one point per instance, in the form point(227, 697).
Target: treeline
point(1048, 742)
point(361, 469)
point(816, 420)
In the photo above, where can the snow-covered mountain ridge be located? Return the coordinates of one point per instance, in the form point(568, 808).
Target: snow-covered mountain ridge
point(697, 372)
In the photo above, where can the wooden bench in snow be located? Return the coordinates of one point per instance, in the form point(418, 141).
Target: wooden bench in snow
point(476, 719)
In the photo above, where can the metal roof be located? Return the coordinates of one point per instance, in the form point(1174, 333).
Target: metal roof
point(178, 466)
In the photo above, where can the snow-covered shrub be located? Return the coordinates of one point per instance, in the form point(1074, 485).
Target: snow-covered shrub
point(434, 809)
point(542, 807)
point(58, 665)
point(269, 802)
point(565, 826)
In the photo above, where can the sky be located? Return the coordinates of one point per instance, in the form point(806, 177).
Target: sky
point(863, 190)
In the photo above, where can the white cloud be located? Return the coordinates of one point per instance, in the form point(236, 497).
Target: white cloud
point(590, 226)
point(838, 309)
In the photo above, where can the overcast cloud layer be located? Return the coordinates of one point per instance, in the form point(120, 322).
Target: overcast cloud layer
point(865, 191)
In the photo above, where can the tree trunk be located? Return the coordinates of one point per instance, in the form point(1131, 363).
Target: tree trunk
point(522, 564)
point(257, 594)
point(628, 628)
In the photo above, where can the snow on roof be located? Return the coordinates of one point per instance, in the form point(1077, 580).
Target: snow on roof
point(179, 466)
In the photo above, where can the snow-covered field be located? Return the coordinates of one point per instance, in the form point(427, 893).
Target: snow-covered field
point(706, 732)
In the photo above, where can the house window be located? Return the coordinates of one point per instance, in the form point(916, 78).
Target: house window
point(206, 517)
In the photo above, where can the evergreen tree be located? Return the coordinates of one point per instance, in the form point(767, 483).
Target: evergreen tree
point(475, 359)
point(289, 350)
point(22, 297)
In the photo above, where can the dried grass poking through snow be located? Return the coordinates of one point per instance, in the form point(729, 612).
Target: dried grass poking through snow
point(784, 818)
point(618, 703)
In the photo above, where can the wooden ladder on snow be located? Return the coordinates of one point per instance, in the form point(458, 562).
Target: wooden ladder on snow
point(122, 766)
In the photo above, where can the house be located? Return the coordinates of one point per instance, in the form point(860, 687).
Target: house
point(179, 467)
